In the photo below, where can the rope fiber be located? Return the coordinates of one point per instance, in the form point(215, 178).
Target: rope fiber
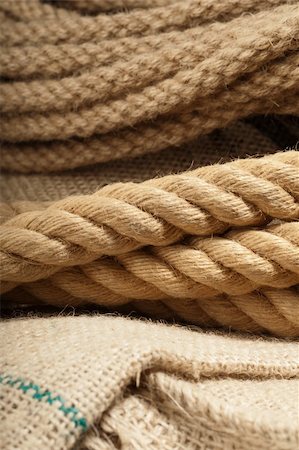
point(81, 78)
point(89, 81)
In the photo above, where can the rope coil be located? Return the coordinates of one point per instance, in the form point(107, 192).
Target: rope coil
point(85, 82)
point(168, 69)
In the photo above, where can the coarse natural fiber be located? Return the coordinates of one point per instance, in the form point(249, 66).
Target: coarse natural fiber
point(240, 140)
point(77, 79)
point(108, 383)
point(150, 168)
point(96, 82)
point(125, 216)
point(225, 280)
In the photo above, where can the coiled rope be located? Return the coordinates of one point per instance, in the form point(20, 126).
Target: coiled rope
point(169, 69)
point(84, 82)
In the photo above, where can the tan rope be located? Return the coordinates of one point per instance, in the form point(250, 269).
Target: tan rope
point(122, 217)
point(57, 155)
point(55, 60)
point(255, 312)
point(104, 83)
point(155, 20)
point(27, 10)
point(237, 263)
point(81, 86)
point(153, 100)
point(269, 310)
point(98, 119)
point(169, 70)
point(93, 6)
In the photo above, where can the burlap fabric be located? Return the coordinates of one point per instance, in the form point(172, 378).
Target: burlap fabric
point(107, 382)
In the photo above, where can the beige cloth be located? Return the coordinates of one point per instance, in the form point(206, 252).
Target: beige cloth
point(105, 382)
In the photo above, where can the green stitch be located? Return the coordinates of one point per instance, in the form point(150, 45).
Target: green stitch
point(39, 395)
point(14, 382)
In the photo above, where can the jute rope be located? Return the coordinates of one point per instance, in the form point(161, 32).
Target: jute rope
point(125, 216)
point(24, 11)
point(53, 61)
point(175, 16)
point(268, 310)
point(168, 68)
point(86, 82)
point(236, 263)
point(108, 82)
point(246, 279)
point(67, 154)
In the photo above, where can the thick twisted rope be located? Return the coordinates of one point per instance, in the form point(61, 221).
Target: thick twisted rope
point(186, 282)
point(173, 70)
point(207, 281)
point(267, 310)
point(235, 264)
point(126, 216)
point(169, 70)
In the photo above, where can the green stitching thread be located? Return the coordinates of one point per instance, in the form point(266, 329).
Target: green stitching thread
point(69, 411)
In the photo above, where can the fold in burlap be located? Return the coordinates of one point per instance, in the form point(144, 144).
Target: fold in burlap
point(106, 382)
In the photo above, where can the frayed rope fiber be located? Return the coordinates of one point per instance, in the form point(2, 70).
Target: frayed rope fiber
point(90, 81)
point(232, 267)
point(84, 82)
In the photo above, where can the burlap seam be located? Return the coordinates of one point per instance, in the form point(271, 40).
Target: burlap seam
point(39, 394)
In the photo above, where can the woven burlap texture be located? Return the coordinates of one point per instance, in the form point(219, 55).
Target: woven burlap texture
point(107, 382)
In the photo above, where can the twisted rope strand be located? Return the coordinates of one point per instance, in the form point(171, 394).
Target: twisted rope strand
point(261, 310)
point(50, 60)
point(119, 113)
point(152, 137)
point(269, 310)
point(281, 169)
point(141, 70)
point(155, 20)
point(196, 246)
point(64, 59)
point(95, 6)
point(171, 86)
point(122, 217)
point(203, 269)
point(27, 10)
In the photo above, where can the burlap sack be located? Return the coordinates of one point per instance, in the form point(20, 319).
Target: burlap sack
point(108, 383)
